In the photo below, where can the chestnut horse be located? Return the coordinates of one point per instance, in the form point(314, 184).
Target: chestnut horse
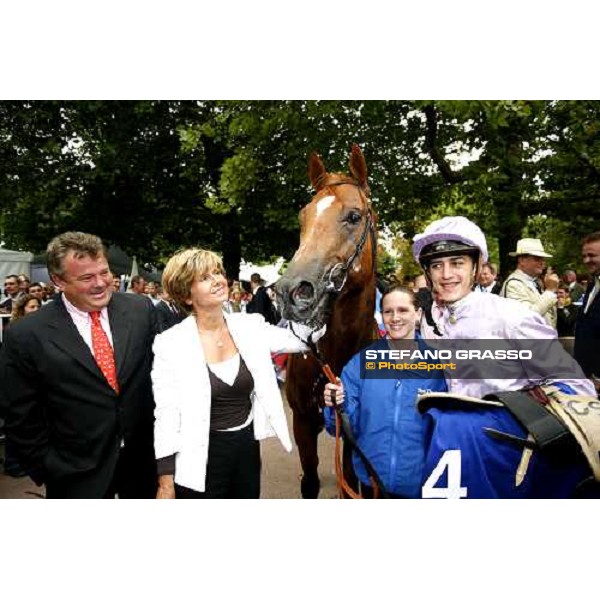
point(330, 280)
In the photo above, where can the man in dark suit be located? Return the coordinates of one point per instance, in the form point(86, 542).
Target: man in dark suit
point(587, 326)
point(76, 376)
point(576, 290)
point(167, 313)
point(487, 279)
point(12, 292)
point(261, 303)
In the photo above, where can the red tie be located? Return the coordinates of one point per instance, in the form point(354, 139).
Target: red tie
point(103, 352)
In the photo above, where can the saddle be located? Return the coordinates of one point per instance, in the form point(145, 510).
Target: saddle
point(560, 425)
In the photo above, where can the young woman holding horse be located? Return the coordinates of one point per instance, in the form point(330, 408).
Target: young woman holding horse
point(382, 412)
point(214, 386)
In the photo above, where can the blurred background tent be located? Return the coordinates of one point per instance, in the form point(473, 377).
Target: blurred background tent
point(13, 262)
point(269, 273)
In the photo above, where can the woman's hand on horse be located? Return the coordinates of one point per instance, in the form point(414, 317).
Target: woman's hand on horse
point(333, 393)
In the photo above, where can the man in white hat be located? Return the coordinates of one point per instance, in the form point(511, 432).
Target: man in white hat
point(523, 284)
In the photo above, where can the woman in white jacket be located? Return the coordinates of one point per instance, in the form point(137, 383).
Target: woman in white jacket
point(214, 386)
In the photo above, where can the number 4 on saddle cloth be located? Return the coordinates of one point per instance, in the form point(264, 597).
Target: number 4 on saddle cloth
point(510, 445)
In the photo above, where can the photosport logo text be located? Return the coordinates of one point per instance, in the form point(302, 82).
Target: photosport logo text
point(469, 359)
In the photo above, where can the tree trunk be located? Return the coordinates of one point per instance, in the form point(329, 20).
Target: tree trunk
point(511, 216)
point(232, 245)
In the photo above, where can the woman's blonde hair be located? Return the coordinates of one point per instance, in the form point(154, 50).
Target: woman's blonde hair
point(183, 268)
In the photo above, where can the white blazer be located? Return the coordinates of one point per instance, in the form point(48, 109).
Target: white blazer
point(182, 390)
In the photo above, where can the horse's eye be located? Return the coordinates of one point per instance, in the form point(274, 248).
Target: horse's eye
point(353, 218)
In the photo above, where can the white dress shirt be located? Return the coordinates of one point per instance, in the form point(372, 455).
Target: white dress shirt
point(83, 322)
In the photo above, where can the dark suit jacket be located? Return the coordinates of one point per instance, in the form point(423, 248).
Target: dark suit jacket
point(64, 419)
point(587, 335)
point(261, 303)
point(166, 316)
point(566, 317)
point(496, 289)
point(576, 292)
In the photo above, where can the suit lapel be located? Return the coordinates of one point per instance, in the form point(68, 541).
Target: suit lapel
point(68, 339)
point(120, 330)
point(590, 290)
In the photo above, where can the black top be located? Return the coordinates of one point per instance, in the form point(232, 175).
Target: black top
point(230, 405)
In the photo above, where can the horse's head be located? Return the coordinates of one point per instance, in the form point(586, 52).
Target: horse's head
point(337, 243)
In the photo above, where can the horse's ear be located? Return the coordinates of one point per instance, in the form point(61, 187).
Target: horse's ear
point(358, 166)
point(316, 171)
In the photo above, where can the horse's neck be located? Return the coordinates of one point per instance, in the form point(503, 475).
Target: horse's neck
point(350, 326)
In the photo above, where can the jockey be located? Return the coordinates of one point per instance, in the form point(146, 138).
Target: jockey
point(484, 448)
point(451, 252)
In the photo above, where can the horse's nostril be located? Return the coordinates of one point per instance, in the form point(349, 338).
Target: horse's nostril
point(303, 292)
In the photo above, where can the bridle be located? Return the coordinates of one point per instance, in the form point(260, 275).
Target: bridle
point(344, 268)
point(342, 421)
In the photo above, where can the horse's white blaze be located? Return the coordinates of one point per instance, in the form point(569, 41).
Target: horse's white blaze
point(356, 268)
point(323, 204)
point(309, 243)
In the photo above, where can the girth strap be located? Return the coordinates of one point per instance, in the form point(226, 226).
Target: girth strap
point(550, 434)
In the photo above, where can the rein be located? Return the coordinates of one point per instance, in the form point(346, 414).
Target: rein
point(342, 424)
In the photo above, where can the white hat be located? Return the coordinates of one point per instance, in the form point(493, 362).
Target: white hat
point(530, 246)
point(458, 229)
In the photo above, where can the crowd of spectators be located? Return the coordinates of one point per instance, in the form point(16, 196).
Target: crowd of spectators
point(568, 304)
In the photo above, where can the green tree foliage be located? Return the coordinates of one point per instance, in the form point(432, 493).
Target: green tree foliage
point(112, 168)
point(231, 175)
point(506, 163)
point(386, 264)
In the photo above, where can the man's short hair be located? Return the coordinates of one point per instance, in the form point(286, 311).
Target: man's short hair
point(82, 244)
point(591, 237)
point(11, 277)
point(136, 279)
point(256, 278)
